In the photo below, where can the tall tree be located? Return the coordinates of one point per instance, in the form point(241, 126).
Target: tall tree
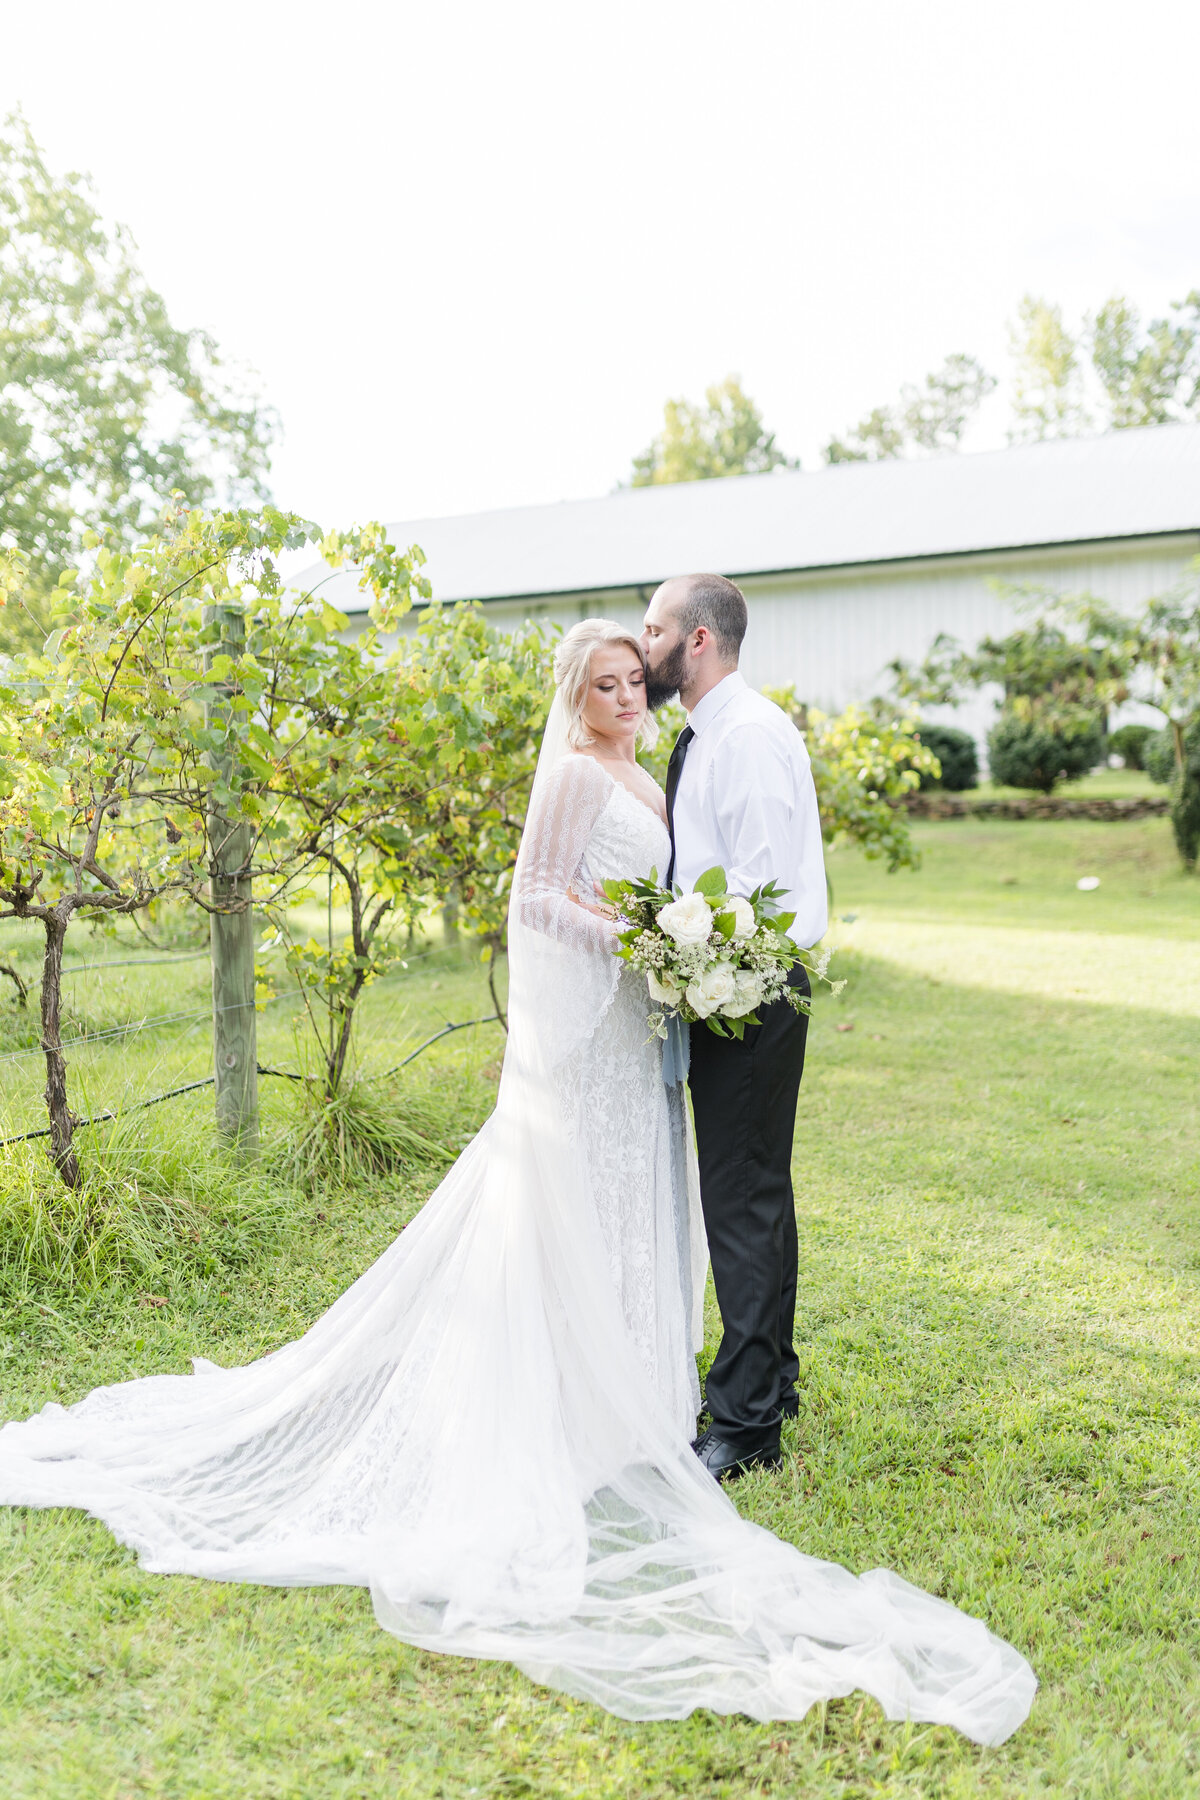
point(1048, 396)
point(725, 436)
point(1113, 372)
point(106, 407)
point(1149, 377)
point(930, 418)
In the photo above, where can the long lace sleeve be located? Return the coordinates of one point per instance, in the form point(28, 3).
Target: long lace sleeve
point(561, 820)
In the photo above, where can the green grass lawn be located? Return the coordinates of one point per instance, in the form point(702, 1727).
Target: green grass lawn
point(996, 1165)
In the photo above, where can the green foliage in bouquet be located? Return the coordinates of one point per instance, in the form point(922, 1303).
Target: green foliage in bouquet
point(710, 957)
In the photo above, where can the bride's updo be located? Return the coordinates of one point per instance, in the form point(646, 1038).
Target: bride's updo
point(572, 667)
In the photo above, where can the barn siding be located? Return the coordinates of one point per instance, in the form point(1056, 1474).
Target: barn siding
point(832, 632)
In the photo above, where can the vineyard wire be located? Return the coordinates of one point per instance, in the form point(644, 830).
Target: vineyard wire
point(190, 1087)
point(203, 1012)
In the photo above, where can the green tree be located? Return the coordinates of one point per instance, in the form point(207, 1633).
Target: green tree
point(864, 761)
point(398, 780)
point(725, 436)
point(1048, 392)
point(106, 407)
point(105, 779)
point(930, 418)
point(1042, 668)
point(1151, 376)
point(1058, 685)
point(1114, 371)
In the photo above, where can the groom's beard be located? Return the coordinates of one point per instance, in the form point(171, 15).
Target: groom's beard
point(662, 683)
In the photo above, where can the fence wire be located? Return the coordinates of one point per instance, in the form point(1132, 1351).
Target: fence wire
point(132, 1027)
point(110, 1032)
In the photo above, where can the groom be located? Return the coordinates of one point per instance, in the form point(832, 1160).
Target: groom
point(740, 793)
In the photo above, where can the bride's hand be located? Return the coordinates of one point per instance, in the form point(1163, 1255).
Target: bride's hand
point(604, 911)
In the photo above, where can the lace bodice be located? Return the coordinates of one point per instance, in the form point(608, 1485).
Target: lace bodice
point(626, 839)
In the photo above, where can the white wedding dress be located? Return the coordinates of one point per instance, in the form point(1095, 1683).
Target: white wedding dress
point(491, 1428)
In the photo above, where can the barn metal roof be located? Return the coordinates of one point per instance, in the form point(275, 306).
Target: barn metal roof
point(1082, 490)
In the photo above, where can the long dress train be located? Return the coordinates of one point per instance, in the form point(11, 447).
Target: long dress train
point(491, 1427)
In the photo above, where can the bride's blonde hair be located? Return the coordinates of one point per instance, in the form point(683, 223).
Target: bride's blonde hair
point(572, 667)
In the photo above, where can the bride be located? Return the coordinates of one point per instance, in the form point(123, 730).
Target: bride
point(492, 1427)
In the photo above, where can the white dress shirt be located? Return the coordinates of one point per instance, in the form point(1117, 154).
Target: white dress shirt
point(746, 800)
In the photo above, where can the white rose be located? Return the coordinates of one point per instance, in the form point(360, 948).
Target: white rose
point(713, 990)
point(748, 991)
point(688, 920)
point(744, 925)
point(665, 992)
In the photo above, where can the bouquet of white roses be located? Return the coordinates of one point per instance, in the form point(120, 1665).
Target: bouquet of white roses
point(710, 955)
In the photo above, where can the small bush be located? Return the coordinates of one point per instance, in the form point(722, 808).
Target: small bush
point(1129, 743)
point(957, 753)
point(1184, 786)
point(1158, 756)
point(1185, 814)
point(1023, 753)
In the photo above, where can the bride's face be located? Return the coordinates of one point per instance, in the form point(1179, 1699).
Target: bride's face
point(615, 703)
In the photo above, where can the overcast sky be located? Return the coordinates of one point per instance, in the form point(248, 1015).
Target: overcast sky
point(471, 248)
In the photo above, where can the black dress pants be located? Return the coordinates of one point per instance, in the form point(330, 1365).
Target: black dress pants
point(744, 1099)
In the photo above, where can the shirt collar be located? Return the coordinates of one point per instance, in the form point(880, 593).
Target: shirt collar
point(706, 710)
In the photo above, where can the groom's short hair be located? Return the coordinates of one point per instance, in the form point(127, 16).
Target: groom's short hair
point(712, 601)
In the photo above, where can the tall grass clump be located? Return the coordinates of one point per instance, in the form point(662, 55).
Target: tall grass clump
point(155, 1198)
point(371, 1129)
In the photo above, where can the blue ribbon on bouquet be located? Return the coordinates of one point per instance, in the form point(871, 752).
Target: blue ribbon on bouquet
point(677, 1051)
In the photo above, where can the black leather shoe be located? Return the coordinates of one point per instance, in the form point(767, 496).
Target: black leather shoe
point(789, 1404)
point(725, 1463)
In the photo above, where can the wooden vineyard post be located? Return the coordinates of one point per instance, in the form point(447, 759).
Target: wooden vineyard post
point(231, 934)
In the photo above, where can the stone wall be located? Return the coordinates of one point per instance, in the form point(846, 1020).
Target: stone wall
point(935, 805)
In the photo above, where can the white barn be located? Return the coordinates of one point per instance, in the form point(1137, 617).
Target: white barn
point(847, 567)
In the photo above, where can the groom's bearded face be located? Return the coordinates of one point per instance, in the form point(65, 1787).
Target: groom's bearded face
point(665, 669)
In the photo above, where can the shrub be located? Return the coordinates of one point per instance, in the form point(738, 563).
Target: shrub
point(1183, 783)
point(1129, 743)
point(956, 752)
point(1185, 811)
point(1158, 756)
point(1027, 753)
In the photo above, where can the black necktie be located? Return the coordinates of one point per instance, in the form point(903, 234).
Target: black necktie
point(674, 770)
